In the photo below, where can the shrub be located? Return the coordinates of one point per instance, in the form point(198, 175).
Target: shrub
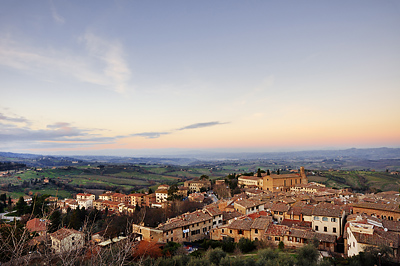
point(246, 245)
point(215, 255)
point(228, 245)
point(307, 255)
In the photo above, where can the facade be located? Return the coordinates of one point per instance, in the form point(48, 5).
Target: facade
point(298, 237)
point(328, 219)
point(106, 196)
point(136, 199)
point(383, 211)
point(247, 181)
point(85, 196)
point(283, 182)
point(161, 195)
point(197, 185)
point(216, 214)
point(148, 234)
point(187, 228)
point(361, 234)
point(247, 206)
point(85, 203)
point(66, 240)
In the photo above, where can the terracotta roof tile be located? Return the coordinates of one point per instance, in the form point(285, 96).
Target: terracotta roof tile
point(63, 233)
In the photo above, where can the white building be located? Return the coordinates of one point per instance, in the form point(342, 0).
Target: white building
point(161, 195)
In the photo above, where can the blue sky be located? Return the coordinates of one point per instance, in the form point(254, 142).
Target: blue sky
point(85, 77)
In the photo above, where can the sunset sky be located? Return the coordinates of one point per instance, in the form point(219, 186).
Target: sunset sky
point(131, 77)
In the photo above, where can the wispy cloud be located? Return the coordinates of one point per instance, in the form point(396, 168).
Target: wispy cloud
point(150, 135)
point(110, 53)
point(13, 119)
point(154, 135)
point(201, 125)
point(59, 19)
point(103, 64)
point(59, 132)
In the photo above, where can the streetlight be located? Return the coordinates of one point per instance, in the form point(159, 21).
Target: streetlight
point(379, 258)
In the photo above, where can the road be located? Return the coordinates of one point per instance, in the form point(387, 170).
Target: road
point(9, 218)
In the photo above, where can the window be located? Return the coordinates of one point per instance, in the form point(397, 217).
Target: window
point(333, 220)
point(316, 218)
point(325, 219)
point(230, 231)
point(222, 230)
point(73, 238)
point(316, 228)
point(277, 238)
point(325, 229)
point(240, 232)
point(290, 238)
point(298, 239)
point(334, 229)
point(256, 231)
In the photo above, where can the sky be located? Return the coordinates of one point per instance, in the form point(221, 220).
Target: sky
point(129, 77)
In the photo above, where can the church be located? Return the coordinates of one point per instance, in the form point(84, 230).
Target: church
point(283, 182)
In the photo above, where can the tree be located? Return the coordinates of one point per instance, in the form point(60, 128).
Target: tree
point(147, 249)
point(281, 245)
point(3, 198)
point(170, 248)
point(307, 255)
point(204, 177)
point(214, 256)
point(21, 206)
point(268, 172)
point(259, 172)
point(55, 221)
point(75, 221)
point(246, 245)
point(150, 191)
point(278, 172)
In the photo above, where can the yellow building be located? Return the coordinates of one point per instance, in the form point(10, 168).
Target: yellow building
point(283, 182)
point(246, 181)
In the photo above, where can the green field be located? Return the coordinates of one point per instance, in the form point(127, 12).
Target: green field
point(367, 181)
point(65, 181)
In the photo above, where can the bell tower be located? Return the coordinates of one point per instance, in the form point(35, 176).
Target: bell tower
point(304, 179)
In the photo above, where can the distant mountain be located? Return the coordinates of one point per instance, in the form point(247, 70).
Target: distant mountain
point(363, 157)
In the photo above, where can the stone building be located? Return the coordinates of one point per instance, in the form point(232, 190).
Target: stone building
point(283, 182)
point(389, 211)
point(147, 233)
point(188, 227)
point(328, 219)
point(364, 231)
point(197, 185)
point(248, 206)
point(66, 240)
point(250, 181)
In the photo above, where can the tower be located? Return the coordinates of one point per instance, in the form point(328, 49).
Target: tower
point(304, 179)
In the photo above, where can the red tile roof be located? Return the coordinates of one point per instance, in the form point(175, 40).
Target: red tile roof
point(37, 225)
